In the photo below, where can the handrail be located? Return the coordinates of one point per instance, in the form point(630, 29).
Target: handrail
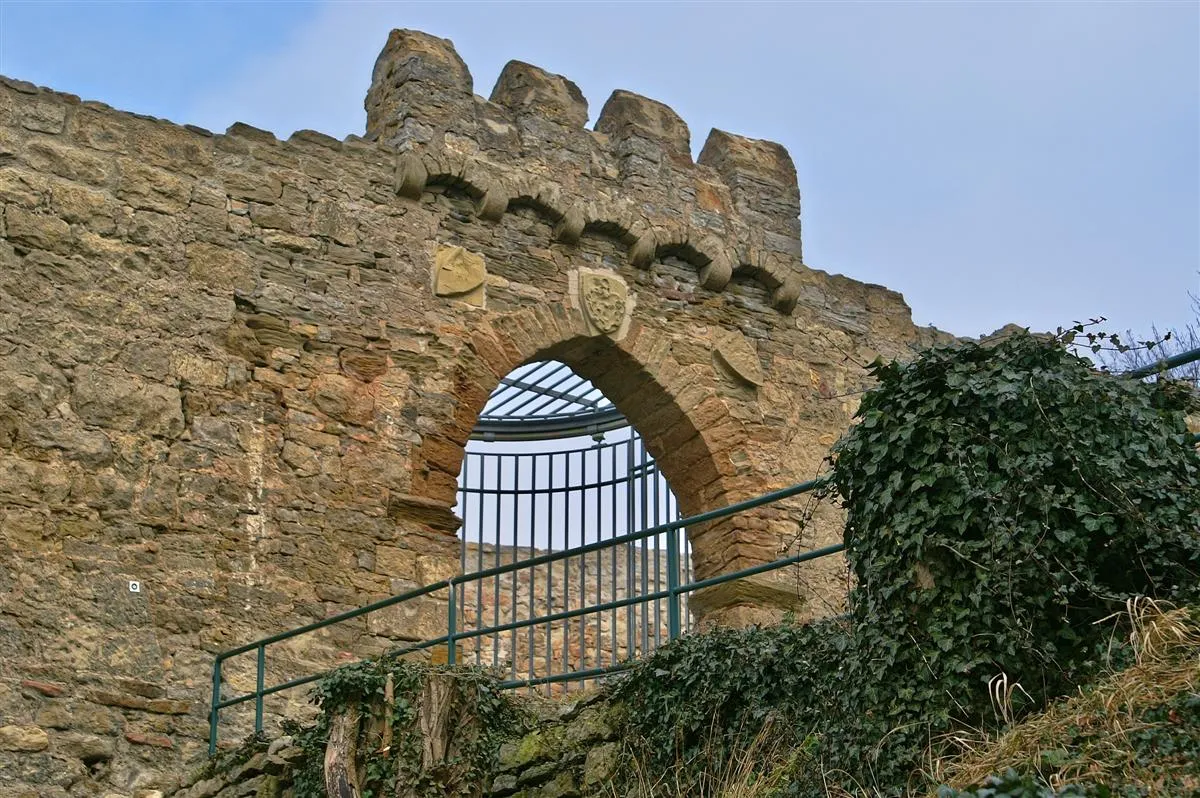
point(541, 559)
point(672, 594)
point(1167, 363)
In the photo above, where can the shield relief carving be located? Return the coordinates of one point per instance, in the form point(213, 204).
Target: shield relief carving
point(605, 299)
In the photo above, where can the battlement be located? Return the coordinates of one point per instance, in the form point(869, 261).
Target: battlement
point(421, 102)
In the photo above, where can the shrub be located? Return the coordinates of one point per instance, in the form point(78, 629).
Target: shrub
point(1001, 500)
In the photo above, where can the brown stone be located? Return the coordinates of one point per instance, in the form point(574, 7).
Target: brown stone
point(155, 740)
point(37, 230)
point(526, 89)
point(734, 355)
point(626, 114)
point(23, 738)
point(110, 398)
point(219, 267)
point(162, 706)
point(49, 689)
point(363, 365)
point(605, 299)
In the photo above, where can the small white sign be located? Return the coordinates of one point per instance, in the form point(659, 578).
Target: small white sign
point(135, 586)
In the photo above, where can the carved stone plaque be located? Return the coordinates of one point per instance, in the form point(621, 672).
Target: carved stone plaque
point(735, 357)
point(459, 274)
point(605, 300)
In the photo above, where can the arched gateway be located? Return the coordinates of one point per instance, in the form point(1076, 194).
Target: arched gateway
point(241, 372)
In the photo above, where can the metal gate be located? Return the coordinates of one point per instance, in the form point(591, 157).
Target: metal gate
point(553, 466)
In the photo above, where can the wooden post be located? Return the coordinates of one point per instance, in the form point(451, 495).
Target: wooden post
point(341, 776)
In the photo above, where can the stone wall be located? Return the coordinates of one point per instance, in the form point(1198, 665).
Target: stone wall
point(240, 372)
point(573, 751)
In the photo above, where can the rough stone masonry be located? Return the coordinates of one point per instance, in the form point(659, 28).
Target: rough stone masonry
point(241, 371)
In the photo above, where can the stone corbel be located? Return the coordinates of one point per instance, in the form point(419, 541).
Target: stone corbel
point(494, 202)
point(570, 227)
point(411, 175)
point(785, 297)
point(643, 251)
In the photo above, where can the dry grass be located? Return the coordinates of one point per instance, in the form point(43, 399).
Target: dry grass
point(1166, 642)
point(758, 770)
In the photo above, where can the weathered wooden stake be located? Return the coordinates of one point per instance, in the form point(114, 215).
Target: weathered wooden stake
point(433, 717)
point(389, 698)
point(341, 776)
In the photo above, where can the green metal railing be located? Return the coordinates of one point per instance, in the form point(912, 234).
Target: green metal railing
point(1166, 364)
point(453, 636)
point(454, 586)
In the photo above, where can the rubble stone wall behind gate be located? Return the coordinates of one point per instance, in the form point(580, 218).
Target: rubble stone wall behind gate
point(241, 371)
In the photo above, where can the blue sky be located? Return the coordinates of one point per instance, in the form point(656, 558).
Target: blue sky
point(1026, 162)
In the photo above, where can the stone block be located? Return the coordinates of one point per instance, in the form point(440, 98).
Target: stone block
point(459, 274)
point(420, 87)
point(88, 748)
point(43, 116)
point(601, 764)
point(113, 399)
point(219, 267)
point(23, 738)
point(631, 116)
point(525, 89)
point(761, 179)
point(37, 230)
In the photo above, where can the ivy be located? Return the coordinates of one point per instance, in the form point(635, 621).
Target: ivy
point(485, 717)
point(1001, 500)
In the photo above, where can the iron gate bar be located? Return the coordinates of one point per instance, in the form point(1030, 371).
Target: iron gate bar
point(612, 504)
point(651, 470)
point(566, 564)
point(516, 511)
point(533, 571)
point(556, 678)
point(550, 565)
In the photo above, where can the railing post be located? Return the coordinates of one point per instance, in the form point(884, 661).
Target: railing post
point(452, 626)
point(673, 583)
point(258, 690)
point(214, 712)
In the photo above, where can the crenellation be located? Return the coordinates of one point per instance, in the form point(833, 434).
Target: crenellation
point(252, 133)
point(639, 127)
point(762, 181)
point(527, 90)
point(420, 90)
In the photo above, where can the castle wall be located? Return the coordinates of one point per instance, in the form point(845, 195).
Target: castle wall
point(241, 371)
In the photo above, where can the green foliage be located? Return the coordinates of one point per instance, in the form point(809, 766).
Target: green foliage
point(733, 682)
point(485, 718)
point(1001, 499)
point(1011, 784)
